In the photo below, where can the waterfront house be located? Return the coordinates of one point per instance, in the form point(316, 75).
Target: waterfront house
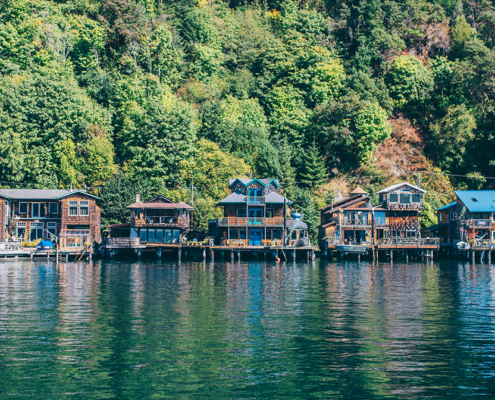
point(253, 214)
point(355, 220)
point(158, 221)
point(31, 214)
point(474, 215)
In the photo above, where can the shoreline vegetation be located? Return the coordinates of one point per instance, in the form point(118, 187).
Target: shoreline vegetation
point(170, 97)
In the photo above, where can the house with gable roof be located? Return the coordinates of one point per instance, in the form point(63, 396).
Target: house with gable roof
point(254, 214)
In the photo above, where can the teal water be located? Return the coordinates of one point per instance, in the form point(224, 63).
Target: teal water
point(246, 330)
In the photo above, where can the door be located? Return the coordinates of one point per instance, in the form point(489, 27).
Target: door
point(255, 216)
point(255, 196)
point(255, 237)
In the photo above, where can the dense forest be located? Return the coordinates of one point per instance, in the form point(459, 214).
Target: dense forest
point(154, 96)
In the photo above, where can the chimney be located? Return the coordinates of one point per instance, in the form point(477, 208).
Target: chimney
point(71, 187)
point(137, 198)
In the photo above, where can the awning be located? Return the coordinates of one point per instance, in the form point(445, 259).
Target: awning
point(74, 232)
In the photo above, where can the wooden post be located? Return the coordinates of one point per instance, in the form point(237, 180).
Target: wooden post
point(391, 256)
point(90, 254)
point(264, 255)
point(294, 255)
point(204, 254)
point(359, 258)
point(312, 254)
point(407, 256)
point(490, 256)
point(212, 254)
point(238, 255)
point(179, 253)
point(473, 257)
point(67, 257)
point(159, 253)
point(232, 255)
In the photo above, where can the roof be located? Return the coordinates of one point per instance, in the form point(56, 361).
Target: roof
point(435, 227)
point(171, 206)
point(393, 187)
point(358, 190)
point(447, 206)
point(41, 194)
point(248, 181)
point(239, 198)
point(477, 200)
point(124, 225)
point(347, 202)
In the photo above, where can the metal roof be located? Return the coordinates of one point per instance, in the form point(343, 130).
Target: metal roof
point(247, 182)
point(40, 194)
point(447, 206)
point(393, 187)
point(477, 200)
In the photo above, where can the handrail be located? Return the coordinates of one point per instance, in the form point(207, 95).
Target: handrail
point(249, 221)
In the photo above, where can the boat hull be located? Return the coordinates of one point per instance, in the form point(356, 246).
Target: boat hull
point(351, 248)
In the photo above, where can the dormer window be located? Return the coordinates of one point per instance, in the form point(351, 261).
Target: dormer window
point(474, 200)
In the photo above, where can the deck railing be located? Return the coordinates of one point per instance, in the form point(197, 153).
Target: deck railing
point(405, 207)
point(403, 242)
point(162, 222)
point(245, 221)
point(256, 200)
point(122, 242)
point(478, 223)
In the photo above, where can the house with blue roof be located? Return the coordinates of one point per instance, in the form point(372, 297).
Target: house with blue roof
point(446, 225)
point(254, 215)
point(475, 211)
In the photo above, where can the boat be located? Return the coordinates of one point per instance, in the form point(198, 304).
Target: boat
point(352, 248)
point(463, 246)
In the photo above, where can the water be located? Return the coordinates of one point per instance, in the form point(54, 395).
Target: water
point(247, 330)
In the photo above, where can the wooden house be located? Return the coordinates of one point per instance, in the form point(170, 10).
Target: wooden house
point(254, 215)
point(31, 214)
point(350, 220)
point(474, 215)
point(355, 220)
point(403, 204)
point(158, 221)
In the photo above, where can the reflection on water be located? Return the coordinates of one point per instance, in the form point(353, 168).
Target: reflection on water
point(246, 330)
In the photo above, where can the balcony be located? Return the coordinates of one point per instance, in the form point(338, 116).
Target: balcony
point(409, 242)
point(256, 200)
point(250, 221)
point(357, 222)
point(122, 242)
point(478, 223)
point(405, 207)
point(161, 222)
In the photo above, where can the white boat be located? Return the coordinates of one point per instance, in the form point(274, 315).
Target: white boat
point(463, 246)
point(352, 248)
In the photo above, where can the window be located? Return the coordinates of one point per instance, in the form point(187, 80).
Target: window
point(234, 234)
point(269, 213)
point(277, 234)
point(241, 213)
point(36, 230)
point(410, 234)
point(84, 208)
point(380, 218)
point(394, 198)
point(151, 236)
point(294, 235)
point(405, 198)
point(73, 208)
point(268, 234)
point(168, 235)
point(6, 208)
point(53, 208)
point(440, 217)
point(21, 229)
point(416, 198)
point(242, 234)
point(453, 216)
point(143, 235)
point(51, 227)
point(159, 235)
point(23, 208)
point(176, 236)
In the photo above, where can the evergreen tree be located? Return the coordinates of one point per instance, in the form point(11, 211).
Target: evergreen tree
point(314, 172)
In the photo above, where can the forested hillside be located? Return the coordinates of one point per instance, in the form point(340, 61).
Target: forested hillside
point(152, 96)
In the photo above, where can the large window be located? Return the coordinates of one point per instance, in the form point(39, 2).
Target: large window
point(36, 230)
point(168, 235)
point(72, 207)
point(416, 198)
point(52, 228)
point(380, 218)
point(176, 236)
point(143, 235)
point(234, 234)
point(151, 236)
point(53, 208)
point(159, 235)
point(269, 234)
point(21, 229)
point(405, 198)
point(241, 213)
point(242, 234)
point(277, 233)
point(355, 218)
point(23, 208)
point(393, 198)
point(38, 210)
point(84, 208)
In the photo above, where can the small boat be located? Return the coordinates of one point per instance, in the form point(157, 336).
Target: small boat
point(463, 246)
point(352, 248)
